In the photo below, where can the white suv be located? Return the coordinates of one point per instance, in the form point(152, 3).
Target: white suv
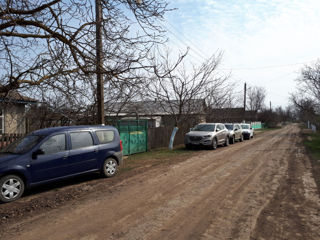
point(207, 134)
point(247, 131)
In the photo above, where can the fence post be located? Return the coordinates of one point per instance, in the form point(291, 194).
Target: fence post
point(172, 137)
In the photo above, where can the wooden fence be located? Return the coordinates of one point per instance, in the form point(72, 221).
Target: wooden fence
point(6, 139)
point(157, 137)
point(160, 137)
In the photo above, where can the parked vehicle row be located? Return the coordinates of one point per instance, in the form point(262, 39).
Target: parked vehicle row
point(57, 153)
point(52, 154)
point(214, 134)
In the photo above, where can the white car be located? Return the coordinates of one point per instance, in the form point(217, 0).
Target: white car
point(247, 131)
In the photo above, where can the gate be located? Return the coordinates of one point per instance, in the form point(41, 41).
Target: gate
point(134, 135)
point(256, 125)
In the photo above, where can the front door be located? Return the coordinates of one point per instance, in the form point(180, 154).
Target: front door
point(52, 162)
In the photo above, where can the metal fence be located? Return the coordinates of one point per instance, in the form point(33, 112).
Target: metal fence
point(6, 139)
point(256, 125)
point(134, 135)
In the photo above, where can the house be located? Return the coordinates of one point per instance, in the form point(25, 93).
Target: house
point(158, 113)
point(12, 112)
point(231, 115)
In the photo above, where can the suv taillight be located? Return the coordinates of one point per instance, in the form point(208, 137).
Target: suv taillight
point(121, 147)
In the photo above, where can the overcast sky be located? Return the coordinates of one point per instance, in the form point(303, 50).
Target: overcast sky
point(265, 42)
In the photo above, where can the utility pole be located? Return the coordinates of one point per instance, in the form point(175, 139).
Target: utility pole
point(244, 102)
point(245, 96)
point(99, 67)
point(270, 106)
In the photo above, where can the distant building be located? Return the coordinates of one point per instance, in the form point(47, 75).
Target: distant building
point(12, 112)
point(158, 113)
point(232, 115)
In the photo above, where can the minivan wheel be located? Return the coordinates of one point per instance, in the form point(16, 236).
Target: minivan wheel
point(110, 167)
point(11, 187)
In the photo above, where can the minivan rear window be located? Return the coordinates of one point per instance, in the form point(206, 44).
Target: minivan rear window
point(81, 139)
point(105, 136)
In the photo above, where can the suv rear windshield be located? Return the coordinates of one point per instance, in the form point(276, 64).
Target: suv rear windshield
point(204, 127)
point(245, 126)
point(229, 126)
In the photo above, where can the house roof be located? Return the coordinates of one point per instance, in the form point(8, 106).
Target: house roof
point(16, 97)
point(47, 131)
point(193, 106)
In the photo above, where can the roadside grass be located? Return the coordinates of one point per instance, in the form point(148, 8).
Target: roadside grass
point(157, 157)
point(311, 141)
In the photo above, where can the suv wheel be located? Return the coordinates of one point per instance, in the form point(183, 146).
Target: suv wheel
point(11, 187)
point(232, 140)
point(226, 142)
point(110, 167)
point(214, 144)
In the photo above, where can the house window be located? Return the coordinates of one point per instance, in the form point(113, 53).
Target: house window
point(1, 121)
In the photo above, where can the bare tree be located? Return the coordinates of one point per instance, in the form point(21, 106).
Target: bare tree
point(47, 47)
point(284, 114)
point(309, 83)
point(306, 108)
point(307, 98)
point(256, 97)
point(183, 90)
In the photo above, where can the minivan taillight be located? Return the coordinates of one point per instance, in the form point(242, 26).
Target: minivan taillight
point(121, 147)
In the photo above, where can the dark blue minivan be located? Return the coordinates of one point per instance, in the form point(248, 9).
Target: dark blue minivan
point(56, 153)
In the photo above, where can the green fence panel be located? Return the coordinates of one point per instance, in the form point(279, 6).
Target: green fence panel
point(256, 125)
point(134, 135)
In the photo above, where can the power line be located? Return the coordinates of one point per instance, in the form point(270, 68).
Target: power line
point(188, 40)
point(185, 43)
point(267, 67)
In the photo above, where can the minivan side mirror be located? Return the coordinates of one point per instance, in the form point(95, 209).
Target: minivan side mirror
point(36, 153)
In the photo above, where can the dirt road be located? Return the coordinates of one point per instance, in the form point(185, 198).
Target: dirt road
point(259, 189)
